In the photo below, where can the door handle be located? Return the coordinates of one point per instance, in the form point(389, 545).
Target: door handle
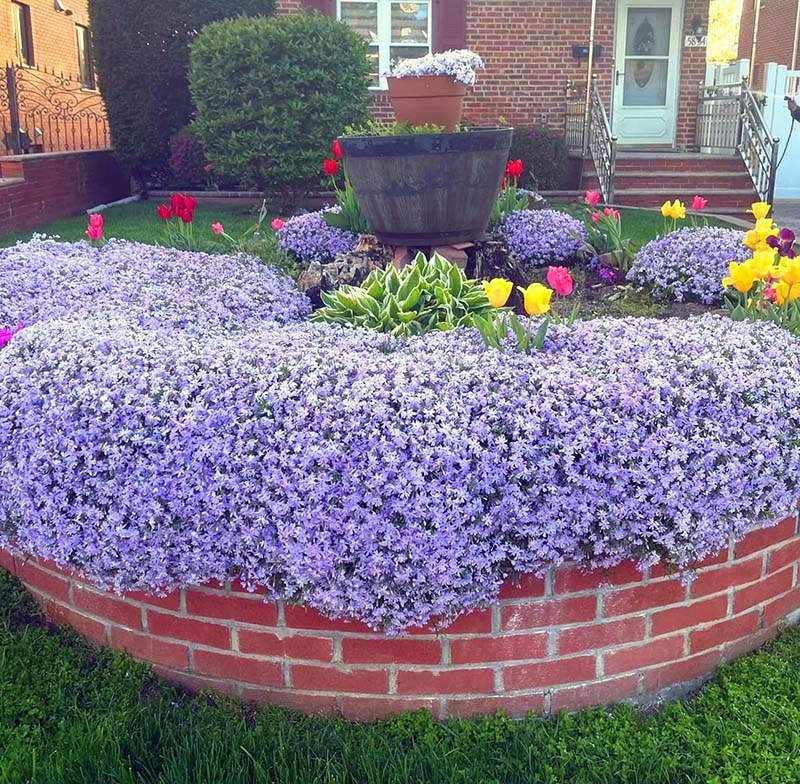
point(617, 74)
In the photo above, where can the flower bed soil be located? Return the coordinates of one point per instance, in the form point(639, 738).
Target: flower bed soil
point(564, 641)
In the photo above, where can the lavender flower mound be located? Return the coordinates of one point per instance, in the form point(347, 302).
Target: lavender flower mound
point(309, 238)
point(389, 481)
point(688, 264)
point(461, 64)
point(538, 238)
point(155, 287)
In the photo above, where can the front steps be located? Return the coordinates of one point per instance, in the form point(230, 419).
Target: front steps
point(648, 179)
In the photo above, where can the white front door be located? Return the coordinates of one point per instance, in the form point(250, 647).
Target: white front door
point(647, 64)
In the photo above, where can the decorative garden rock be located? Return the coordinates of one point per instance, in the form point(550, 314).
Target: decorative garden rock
point(346, 269)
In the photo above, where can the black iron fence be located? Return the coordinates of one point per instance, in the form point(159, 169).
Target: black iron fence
point(42, 111)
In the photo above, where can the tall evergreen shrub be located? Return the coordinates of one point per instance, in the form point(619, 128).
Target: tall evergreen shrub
point(142, 56)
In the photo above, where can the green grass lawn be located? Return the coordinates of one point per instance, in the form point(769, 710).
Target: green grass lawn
point(72, 714)
point(139, 222)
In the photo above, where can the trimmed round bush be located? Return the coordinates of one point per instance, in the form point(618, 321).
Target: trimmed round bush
point(150, 286)
point(688, 264)
point(544, 155)
point(272, 94)
point(386, 480)
point(538, 238)
point(310, 238)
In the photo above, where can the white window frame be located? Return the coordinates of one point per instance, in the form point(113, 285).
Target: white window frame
point(385, 43)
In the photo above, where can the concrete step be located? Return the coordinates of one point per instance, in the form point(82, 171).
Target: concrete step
point(737, 199)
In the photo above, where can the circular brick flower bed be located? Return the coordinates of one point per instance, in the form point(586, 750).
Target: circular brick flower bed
point(565, 641)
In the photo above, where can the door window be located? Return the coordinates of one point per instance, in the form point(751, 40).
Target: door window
point(647, 45)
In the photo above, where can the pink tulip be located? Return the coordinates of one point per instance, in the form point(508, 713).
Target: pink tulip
point(596, 217)
point(94, 233)
point(560, 280)
point(217, 228)
point(699, 203)
point(278, 224)
point(610, 212)
point(593, 197)
point(96, 220)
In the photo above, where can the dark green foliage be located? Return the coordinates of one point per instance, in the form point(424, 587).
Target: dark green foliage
point(188, 160)
point(273, 94)
point(544, 155)
point(71, 715)
point(142, 54)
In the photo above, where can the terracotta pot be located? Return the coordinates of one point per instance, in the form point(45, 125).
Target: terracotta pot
point(427, 100)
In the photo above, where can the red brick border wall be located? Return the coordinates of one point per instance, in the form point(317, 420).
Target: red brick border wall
point(565, 641)
point(53, 186)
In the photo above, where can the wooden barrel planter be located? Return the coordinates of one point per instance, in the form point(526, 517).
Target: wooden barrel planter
point(428, 189)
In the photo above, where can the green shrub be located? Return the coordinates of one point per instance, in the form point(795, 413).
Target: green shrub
point(544, 155)
point(187, 159)
point(272, 94)
point(142, 54)
point(428, 295)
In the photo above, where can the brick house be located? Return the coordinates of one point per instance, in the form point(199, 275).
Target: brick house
point(778, 36)
point(649, 60)
point(46, 48)
point(51, 34)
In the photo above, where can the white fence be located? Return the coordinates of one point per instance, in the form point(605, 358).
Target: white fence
point(779, 82)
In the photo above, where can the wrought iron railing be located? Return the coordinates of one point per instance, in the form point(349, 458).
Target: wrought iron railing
point(759, 150)
point(574, 115)
point(41, 111)
point(601, 143)
point(718, 116)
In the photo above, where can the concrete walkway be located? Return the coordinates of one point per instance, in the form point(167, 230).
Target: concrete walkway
point(787, 214)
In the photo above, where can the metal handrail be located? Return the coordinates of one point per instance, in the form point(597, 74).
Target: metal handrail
point(601, 143)
point(757, 148)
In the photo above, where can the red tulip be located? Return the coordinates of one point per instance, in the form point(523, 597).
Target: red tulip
point(593, 197)
point(278, 224)
point(164, 212)
point(337, 148)
point(515, 169)
point(331, 167)
point(699, 203)
point(178, 201)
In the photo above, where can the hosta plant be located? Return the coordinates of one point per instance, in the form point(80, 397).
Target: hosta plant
point(425, 296)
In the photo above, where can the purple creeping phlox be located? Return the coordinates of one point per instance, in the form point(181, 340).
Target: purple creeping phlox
point(151, 286)
point(392, 481)
point(310, 238)
point(541, 238)
point(688, 264)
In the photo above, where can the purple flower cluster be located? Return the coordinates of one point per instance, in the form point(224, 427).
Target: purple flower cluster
point(688, 264)
point(154, 287)
point(309, 238)
point(539, 238)
point(384, 480)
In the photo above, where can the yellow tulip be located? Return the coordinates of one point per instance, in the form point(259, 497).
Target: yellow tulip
point(537, 299)
point(740, 276)
point(752, 239)
point(498, 291)
point(760, 209)
point(789, 271)
point(784, 291)
point(762, 264)
point(666, 209)
point(678, 210)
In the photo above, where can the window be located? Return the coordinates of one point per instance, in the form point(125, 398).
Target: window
point(85, 59)
point(23, 33)
point(394, 30)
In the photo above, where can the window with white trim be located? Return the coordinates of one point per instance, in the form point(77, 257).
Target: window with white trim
point(395, 30)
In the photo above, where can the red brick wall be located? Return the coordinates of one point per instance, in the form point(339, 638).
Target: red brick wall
point(57, 186)
point(527, 47)
point(775, 34)
point(54, 38)
point(565, 641)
